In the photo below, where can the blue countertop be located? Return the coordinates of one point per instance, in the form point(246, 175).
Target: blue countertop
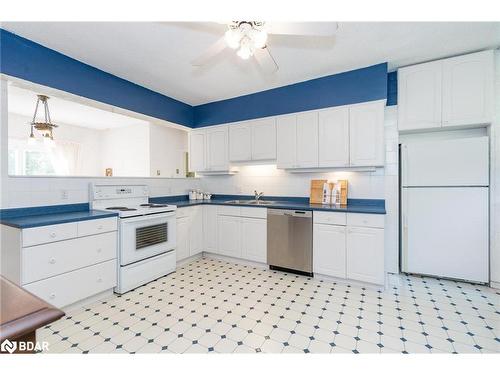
point(366, 206)
point(30, 217)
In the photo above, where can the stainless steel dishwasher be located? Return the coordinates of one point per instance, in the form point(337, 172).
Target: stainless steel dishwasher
point(289, 240)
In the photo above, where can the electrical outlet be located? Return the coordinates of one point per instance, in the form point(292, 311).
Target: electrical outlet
point(64, 194)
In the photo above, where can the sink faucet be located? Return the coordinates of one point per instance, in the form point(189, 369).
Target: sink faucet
point(258, 195)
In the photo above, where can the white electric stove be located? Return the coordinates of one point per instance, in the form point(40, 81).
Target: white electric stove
point(146, 231)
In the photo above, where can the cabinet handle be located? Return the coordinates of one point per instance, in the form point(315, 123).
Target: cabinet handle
point(99, 227)
point(53, 234)
point(52, 261)
point(52, 295)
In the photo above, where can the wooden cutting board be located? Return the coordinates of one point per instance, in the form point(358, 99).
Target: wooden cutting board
point(316, 195)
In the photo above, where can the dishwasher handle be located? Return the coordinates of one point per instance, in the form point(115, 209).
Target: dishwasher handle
point(294, 213)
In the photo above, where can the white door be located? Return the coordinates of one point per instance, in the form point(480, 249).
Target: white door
point(210, 228)
point(196, 230)
point(459, 162)
point(307, 140)
point(468, 89)
point(254, 239)
point(197, 151)
point(419, 96)
point(264, 139)
point(445, 232)
point(365, 254)
point(334, 137)
point(329, 250)
point(286, 141)
point(217, 149)
point(240, 142)
point(229, 236)
point(366, 134)
point(182, 250)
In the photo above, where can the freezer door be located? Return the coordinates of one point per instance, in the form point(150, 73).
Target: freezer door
point(452, 162)
point(445, 232)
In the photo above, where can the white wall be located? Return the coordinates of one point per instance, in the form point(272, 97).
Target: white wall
point(126, 150)
point(167, 149)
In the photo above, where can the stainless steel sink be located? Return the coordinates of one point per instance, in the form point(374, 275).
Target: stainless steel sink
point(253, 201)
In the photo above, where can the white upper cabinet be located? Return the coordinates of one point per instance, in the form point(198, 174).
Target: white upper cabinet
point(366, 140)
point(334, 137)
point(419, 96)
point(264, 139)
point(452, 92)
point(468, 89)
point(240, 142)
point(307, 140)
point(208, 149)
point(197, 154)
point(217, 149)
point(286, 132)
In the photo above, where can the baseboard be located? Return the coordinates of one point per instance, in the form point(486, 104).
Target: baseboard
point(236, 260)
point(339, 280)
point(495, 285)
point(182, 262)
point(88, 300)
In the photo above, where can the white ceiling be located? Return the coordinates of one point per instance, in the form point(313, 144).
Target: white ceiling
point(158, 55)
point(22, 102)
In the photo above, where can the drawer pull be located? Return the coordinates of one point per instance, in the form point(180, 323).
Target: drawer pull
point(52, 295)
point(52, 261)
point(99, 227)
point(53, 235)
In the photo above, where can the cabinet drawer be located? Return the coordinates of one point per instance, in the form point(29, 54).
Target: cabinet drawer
point(336, 218)
point(68, 288)
point(366, 220)
point(90, 227)
point(228, 210)
point(256, 212)
point(49, 233)
point(43, 261)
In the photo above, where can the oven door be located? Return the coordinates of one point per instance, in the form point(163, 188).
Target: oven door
point(143, 237)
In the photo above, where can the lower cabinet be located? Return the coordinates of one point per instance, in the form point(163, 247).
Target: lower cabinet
point(229, 236)
point(354, 250)
point(254, 239)
point(329, 250)
point(365, 254)
point(189, 231)
point(210, 228)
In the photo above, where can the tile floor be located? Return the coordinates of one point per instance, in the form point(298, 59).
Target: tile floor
point(212, 306)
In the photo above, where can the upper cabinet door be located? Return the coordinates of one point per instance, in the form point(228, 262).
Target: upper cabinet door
point(334, 137)
point(419, 96)
point(264, 139)
point(217, 149)
point(197, 151)
point(240, 143)
point(307, 140)
point(468, 89)
point(286, 139)
point(367, 134)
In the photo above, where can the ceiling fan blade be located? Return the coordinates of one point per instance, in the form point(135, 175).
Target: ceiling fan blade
point(210, 52)
point(266, 60)
point(303, 28)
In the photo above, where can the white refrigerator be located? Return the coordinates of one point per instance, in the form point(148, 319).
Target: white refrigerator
point(445, 209)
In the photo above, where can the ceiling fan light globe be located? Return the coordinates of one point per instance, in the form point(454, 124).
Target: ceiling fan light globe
point(259, 38)
point(244, 52)
point(232, 38)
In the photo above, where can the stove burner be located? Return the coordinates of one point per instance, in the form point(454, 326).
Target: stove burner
point(121, 208)
point(154, 205)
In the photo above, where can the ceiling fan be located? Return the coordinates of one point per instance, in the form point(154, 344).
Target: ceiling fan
point(250, 39)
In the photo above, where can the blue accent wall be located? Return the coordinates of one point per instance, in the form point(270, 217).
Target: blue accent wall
point(350, 87)
point(392, 88)
point(23, 58)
